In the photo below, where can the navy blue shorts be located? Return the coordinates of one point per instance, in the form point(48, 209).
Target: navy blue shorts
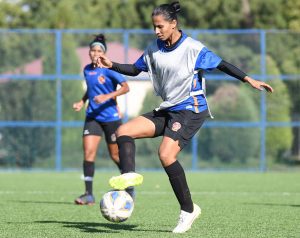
point(180, 126)
point(93, 127)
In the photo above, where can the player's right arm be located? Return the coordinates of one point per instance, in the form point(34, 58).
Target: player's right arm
point(78, 105)
point(127, 69)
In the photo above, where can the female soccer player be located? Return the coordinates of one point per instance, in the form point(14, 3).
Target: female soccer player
point(102, 114)
point(173, 62)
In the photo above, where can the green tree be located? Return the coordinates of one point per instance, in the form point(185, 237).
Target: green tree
point(279, 140)
point(231, 103)
point(25, 101)
point(33, 100)
point(115, 14)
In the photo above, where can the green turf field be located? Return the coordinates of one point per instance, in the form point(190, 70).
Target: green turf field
point(40, 204)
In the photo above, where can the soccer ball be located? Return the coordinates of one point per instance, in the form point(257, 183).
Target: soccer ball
point(116, 206)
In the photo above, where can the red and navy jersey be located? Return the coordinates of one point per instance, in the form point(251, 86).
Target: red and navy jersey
point(102, 81)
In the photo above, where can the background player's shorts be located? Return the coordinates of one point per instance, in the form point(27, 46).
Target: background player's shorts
point(93, 127)
point(178, 125)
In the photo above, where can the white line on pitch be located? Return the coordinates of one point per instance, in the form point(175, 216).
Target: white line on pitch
point(211, 193)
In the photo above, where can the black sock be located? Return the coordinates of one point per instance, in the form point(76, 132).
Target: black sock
point(126, 153)
point(88, 172)
point(131, 191)
point(179, 184)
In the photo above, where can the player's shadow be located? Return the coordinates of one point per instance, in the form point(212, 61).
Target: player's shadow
point(41, 202)
point(95, 227)
point(274, 204)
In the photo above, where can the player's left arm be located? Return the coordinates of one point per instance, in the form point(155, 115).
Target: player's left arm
point(239, 74)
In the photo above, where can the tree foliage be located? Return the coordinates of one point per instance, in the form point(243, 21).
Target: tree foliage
point(32, 100)
point(283, 55)
point(268, 14)
point(231, 103)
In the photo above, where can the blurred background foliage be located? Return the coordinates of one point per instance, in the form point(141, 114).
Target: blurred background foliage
point(229, 14)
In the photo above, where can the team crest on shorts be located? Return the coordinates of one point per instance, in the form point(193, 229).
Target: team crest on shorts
point(176, 126)
point(101, 79)
point(113, 137)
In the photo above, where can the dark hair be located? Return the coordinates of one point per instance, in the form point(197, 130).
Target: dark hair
point(168, 11)
point(100, 38)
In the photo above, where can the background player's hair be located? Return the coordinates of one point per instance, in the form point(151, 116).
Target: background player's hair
point(99, 40)
point(169, 11)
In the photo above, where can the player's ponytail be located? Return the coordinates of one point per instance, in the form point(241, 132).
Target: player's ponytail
point(99, 40)
point(176, 6)
point(168, 11)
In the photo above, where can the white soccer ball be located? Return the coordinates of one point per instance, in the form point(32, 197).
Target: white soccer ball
point(116, 206)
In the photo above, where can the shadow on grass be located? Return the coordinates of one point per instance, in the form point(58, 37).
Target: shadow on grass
point(95, 227)
point(273, 204)
point(41, 202)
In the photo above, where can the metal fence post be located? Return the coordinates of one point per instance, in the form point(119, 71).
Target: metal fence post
point(58, 71)
point(263, 112)
point(126, 46)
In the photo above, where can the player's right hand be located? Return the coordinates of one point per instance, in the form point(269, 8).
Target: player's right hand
point(104, 62)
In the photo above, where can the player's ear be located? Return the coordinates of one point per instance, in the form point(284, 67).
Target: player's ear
point(174, 23)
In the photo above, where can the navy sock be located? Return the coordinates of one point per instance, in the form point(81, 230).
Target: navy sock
point(88, 172)
point(179, 184)
point(126, 153)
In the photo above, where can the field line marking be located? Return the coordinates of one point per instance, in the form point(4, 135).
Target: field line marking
point(144, 192)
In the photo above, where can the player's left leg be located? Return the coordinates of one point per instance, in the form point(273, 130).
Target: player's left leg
point(189, 211)
point(180, 129)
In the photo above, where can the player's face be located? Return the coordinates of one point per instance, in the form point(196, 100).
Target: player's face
point(95, 52)
point(163, 29)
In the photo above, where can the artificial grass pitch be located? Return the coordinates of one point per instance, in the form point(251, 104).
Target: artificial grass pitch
point(40, 204)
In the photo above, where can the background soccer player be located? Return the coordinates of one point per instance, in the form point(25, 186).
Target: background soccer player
point(173, 62)
point(102, 114)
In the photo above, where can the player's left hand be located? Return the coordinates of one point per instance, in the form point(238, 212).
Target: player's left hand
point(101, 98)
point(259, 85)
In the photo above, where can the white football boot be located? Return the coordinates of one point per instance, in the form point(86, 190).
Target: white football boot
point(125, 180)
point(186, 219)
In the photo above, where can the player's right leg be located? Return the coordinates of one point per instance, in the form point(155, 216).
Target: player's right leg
point(90, 146)
point(126, 180)
point(140, 127)
point(91, 140)
point(110, 129)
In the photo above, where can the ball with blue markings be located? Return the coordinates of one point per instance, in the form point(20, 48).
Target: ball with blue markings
point(116, 206)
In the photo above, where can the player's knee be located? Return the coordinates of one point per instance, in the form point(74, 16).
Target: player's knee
point(164, 155)
point(89, 155)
